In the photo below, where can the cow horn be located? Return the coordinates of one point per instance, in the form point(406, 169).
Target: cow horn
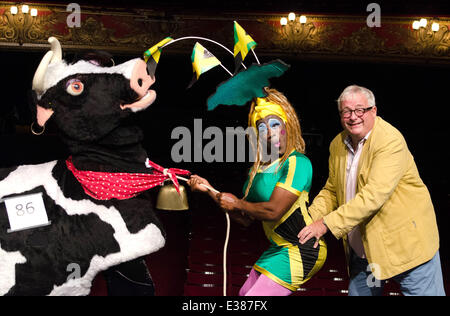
point(54, 55)
point(56, 49)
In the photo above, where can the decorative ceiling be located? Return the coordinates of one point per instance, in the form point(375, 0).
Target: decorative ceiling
point(135, 28)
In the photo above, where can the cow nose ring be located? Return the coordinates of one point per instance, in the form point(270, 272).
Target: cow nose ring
point(37, 133)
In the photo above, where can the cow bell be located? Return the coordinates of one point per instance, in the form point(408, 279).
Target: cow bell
point(169, 200)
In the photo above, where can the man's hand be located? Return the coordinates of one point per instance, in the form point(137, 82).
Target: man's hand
point(316, 229)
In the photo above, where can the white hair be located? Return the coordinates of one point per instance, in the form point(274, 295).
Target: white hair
point(354, 89)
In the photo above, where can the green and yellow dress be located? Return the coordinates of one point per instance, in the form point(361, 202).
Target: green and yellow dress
point(287, 262)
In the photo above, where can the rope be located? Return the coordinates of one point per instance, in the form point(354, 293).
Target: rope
point(227, 237)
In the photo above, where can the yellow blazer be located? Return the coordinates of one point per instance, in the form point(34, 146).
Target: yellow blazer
point(392, 205)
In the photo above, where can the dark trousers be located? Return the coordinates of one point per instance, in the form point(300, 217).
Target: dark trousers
point(130, 278)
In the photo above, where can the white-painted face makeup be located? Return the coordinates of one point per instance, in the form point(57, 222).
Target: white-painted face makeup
point(273, 130)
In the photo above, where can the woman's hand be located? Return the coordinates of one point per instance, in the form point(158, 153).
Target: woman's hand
point(195, 181)
point(228, 201)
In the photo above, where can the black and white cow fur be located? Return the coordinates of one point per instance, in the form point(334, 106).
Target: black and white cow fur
point(92, 107)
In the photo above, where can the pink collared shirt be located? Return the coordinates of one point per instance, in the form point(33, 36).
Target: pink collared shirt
point(351, 174)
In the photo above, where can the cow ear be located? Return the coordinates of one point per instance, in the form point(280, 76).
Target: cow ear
point(42, 115)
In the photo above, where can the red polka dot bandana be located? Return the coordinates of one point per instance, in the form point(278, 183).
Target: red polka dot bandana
point(121, 186)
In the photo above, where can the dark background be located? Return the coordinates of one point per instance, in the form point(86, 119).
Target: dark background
point(412, 97)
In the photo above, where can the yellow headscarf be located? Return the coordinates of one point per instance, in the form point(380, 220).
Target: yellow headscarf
point(265, 108)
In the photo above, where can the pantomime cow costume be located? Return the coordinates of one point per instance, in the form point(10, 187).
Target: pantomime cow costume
point(96, 219)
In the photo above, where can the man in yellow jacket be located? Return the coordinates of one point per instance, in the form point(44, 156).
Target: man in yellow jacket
point(375, 200)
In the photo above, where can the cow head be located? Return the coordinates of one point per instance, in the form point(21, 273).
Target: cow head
point(84, 99)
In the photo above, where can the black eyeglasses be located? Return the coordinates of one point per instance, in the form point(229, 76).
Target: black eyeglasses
point(358, 112)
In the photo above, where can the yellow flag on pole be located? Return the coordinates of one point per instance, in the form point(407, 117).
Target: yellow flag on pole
point(243, 43)
point(152, 55)
point(202, 61)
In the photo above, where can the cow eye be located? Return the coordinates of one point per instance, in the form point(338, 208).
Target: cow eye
point(74, 87)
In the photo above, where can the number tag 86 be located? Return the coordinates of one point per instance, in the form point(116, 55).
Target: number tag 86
point(29, 209)
point(26, 211)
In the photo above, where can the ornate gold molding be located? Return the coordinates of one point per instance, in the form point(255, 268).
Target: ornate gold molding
point(127, 30)
point(425, 41)
point(21, 28)
point(117, 30)
point(350, 37)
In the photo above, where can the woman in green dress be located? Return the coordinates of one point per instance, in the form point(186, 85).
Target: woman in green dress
point(276, 193)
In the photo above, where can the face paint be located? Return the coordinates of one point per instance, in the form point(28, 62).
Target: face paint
point(262, 129)
point(272, 132)
point(275, 129)
point(274, 124)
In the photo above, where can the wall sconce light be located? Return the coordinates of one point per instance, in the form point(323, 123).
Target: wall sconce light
point(435, 27)
point(291, 19)
point(422, 24)
point(430, 37)
point(25, 9)
point(291, 16)
point(294, 30)
point(21, 19)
